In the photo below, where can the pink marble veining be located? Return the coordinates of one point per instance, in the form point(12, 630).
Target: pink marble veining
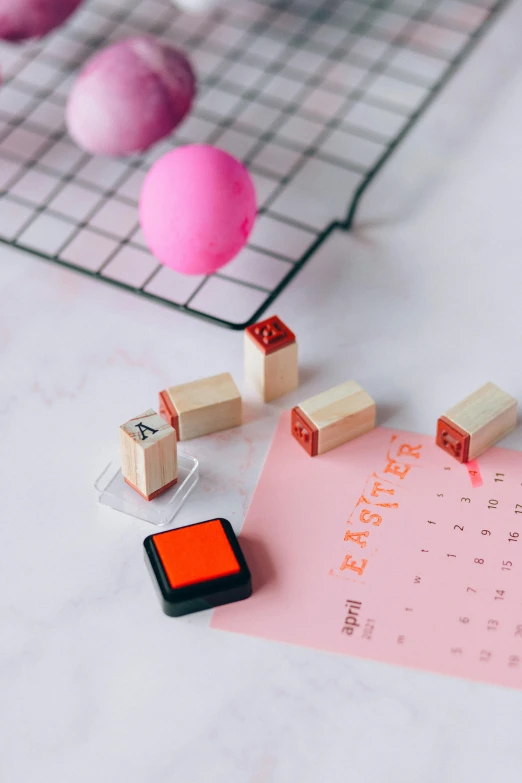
point(129, 96)
point(23, 19)
point(197, 208)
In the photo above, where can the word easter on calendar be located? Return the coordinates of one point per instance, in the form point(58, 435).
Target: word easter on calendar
point(386, 548)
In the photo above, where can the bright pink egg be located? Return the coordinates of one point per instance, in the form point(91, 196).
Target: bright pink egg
point(22, 19)
point(197, 208)
point(129, 96)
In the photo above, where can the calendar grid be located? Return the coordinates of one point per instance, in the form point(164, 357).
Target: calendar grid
point(313, 97)
point(445, 535)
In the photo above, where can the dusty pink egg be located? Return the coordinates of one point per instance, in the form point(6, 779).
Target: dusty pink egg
point(22, 19)
point(129, 96)
point(197, 208)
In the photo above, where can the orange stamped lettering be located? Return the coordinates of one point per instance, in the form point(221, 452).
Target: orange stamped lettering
point(378, 489)
point(352, 565)
point(399, 469)
point(367, 516)
point(357, 537)
point(405, 450)
point(362, 499)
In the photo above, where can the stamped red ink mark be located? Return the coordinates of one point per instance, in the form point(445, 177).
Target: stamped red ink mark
point(475, 474)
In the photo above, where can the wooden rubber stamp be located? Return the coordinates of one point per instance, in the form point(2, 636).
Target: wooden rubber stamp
point(204, 406)
point(333, 417)
point(197, 567)
point(271, 358)
point(469, 428)
point(149, 458)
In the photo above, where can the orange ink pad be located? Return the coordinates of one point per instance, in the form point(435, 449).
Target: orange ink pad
point(197, 567)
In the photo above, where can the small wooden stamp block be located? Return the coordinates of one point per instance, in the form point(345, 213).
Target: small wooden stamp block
point(271, 358)
point(332, 418)
point(197, 567)
point(473, 425)
point(204, 406)
point(149, 459)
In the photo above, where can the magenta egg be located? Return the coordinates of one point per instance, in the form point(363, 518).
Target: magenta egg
point(23, 19)
point(129, 96)
point(197, 208)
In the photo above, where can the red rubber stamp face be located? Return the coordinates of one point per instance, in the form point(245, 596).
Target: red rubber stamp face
point(168, 412)
point(271, 335)
point(452, 439)
point(304, 432)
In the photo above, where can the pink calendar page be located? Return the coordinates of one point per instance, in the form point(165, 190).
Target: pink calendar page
point(386, 548)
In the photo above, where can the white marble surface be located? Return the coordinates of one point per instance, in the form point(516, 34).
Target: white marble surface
point(421, 304)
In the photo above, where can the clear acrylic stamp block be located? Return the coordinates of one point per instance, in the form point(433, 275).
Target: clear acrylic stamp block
point(115, 493)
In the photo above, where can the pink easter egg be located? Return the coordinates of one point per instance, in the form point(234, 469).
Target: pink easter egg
point(22, 19)
point(197, 208)
point(129, 96)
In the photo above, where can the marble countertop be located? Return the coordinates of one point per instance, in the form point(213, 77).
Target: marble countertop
point(421, 304)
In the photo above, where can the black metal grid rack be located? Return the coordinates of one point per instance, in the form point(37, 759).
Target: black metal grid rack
point(313, 96)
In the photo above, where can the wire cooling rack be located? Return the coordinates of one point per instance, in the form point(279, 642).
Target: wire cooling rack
point(313, 96)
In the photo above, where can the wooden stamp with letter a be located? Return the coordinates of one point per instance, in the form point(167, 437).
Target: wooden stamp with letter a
point(149, 458)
